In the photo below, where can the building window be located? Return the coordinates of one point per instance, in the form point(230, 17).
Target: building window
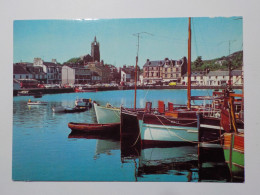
point(27, 76)
point(165, 75)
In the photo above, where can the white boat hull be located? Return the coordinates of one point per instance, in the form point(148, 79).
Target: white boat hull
point(58, 109)
point(107, 115)
point(163, 133)
point(36, 103)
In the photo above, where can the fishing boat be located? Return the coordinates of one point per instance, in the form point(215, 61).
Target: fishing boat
point(83, 89)
point(62, 109)
point(75, 109)
point(25, 93)
point(107, 114)
point(94, 128)
point(233, 139)
point(82, 102)
point(177, 124)
point(36, 103)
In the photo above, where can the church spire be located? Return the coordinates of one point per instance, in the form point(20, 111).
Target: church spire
point(95, 53)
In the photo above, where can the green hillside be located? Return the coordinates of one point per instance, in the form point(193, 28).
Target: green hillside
point(236, 60)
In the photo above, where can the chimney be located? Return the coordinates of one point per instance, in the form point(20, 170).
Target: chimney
point(54, 61)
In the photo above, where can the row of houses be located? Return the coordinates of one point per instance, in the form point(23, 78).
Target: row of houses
point(214, 78)
point(166, 71)
point(54, 73)
point(154, 72)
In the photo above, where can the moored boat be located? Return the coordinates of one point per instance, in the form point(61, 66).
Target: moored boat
point(82, 89)
point(62, 109)
point(233, 147)
point(233, 140)
point(107, 114)
point(75, 109)
point(25, 93)
point(36, 103)
point(82, 102)
point(94, 128)
point(175, 125)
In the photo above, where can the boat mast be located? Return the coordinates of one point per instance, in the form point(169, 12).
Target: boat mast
point(135, 79)
point(189, 67)
point(136, 62)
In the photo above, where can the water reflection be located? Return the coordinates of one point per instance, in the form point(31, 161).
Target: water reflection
point(179, 161)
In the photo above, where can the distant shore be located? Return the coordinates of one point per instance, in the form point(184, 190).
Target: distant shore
point(71, 90)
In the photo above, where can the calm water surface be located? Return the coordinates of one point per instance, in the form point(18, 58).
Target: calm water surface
point(44, 149)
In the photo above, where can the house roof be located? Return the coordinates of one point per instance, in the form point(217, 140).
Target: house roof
point(225, 73)
point(50, 64)
point(163, 62)
point(216, 73)
point(196, 73)
point(18, 69)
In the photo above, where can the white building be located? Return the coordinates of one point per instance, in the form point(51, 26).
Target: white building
point(197, 78)
point(75, 75)
point(214, 78)
point(52, 70)
point(217, 78)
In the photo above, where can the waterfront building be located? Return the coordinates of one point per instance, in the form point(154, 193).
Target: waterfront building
point(75, 75)
point(102, 70)
point(38, 73)
point(164, 70)
point(95, 78)
point(20, 72)
point(217, 78)
point(214, 78)
point(197, 78)
point(52, 70)
point(127, 75)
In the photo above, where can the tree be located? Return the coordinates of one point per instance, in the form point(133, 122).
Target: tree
point(198, 62)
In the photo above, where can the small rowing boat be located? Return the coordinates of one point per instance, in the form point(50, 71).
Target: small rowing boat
point(94, 128)
point(36, 103)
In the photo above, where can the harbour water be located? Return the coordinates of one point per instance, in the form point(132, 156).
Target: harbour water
point(45, 149)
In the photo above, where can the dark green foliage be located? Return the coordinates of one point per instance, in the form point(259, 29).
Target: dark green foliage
point(74, 61)
point(219, 63)
point(198, 62)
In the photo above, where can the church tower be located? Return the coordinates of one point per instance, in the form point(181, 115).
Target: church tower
point(95, 53)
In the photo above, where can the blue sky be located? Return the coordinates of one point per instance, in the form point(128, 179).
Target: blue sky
point(64, 39)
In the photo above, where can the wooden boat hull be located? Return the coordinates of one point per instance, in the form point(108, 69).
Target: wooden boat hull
point(94, 128)
point(107, 115)
point(234, 153)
